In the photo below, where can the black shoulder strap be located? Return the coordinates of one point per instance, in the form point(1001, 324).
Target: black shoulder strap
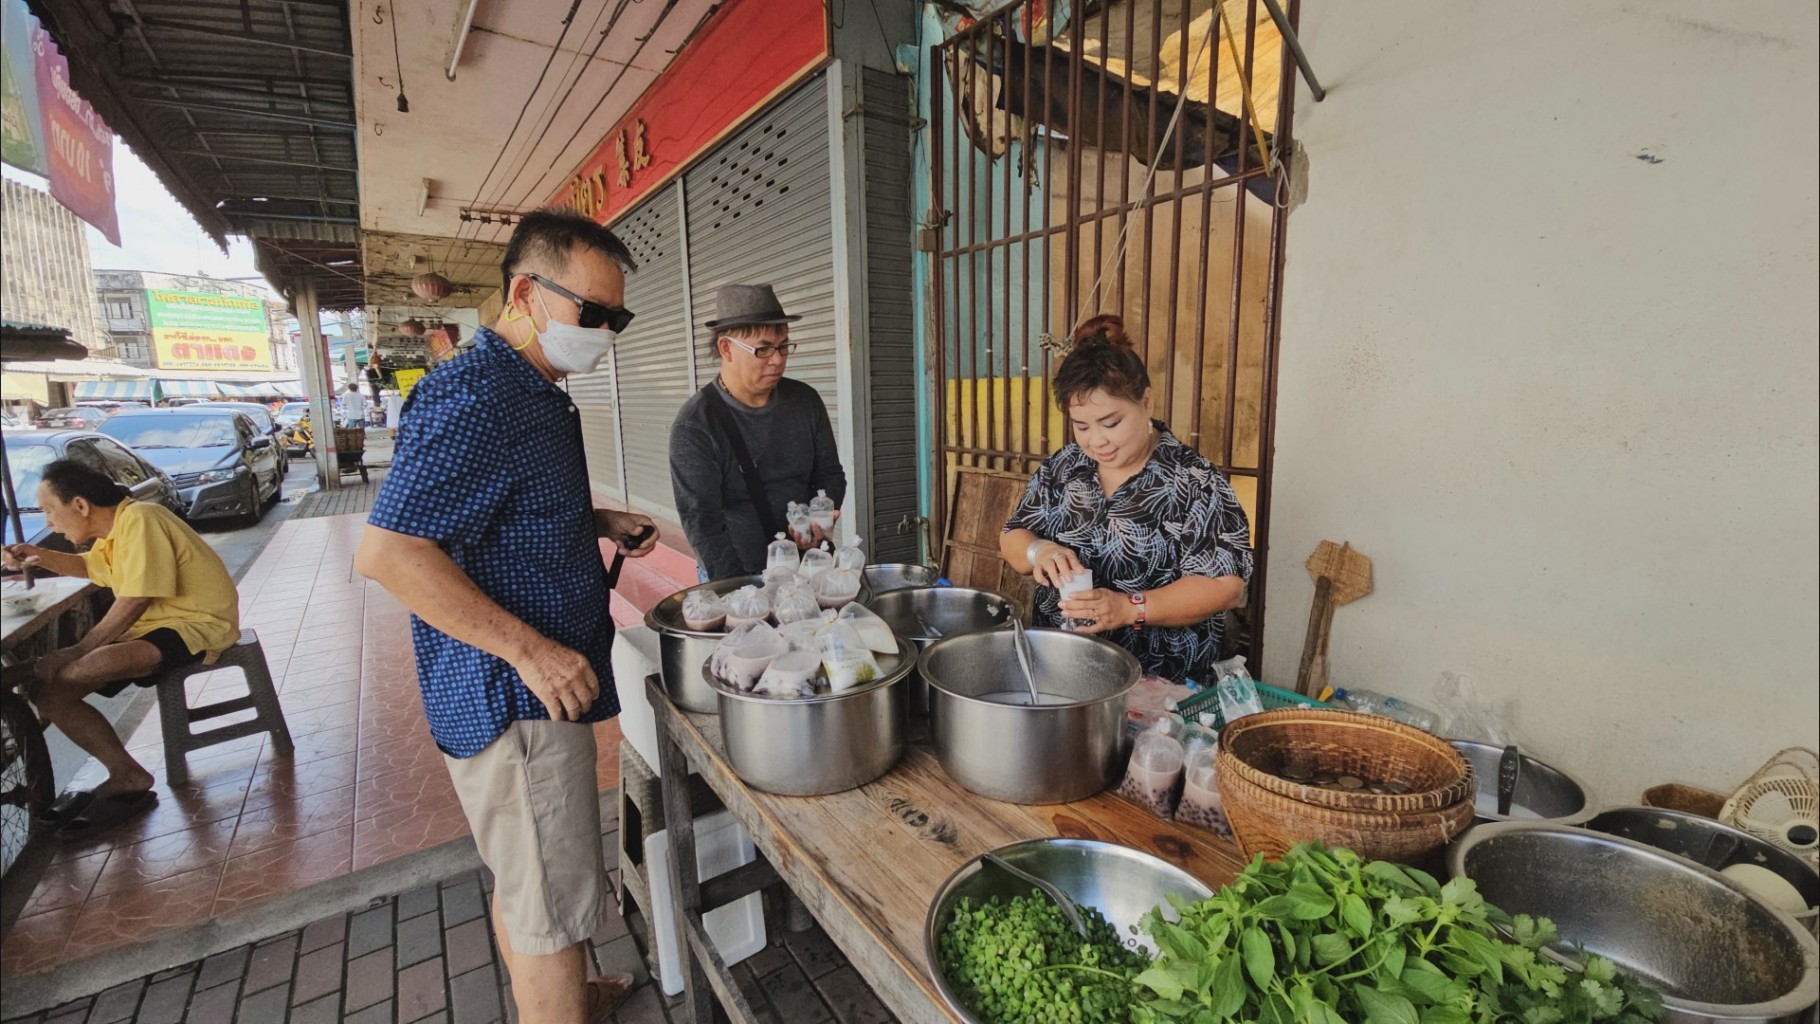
point(723, 419)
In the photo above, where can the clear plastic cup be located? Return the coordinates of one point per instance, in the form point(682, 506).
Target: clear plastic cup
point(1079, 583)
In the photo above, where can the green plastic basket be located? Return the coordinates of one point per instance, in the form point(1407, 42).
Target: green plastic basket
point(1208, 700)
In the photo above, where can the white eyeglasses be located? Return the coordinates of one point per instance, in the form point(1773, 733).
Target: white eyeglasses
point(764, 352)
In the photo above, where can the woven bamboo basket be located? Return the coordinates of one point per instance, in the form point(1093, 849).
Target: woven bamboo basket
point(1348, 743)
point(1269, 815)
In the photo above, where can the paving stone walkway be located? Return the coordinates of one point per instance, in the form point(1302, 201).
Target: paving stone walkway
point(427, 956)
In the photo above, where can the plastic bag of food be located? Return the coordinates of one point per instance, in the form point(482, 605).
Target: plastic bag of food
point(704, 611)
point(800, 635)
point(1464, 716)
point(846, 659)
point(1155, 769)
point(791, 674)
point(836, 587)
point(746, 606)
point(815, 562)
point(742, 655)
point(871, 629)
point(850, 556)
point(1151, 699)
point(779, 574)
point(794, 602)
point(782, 553)
point(1201, 806)
point(1239, 697)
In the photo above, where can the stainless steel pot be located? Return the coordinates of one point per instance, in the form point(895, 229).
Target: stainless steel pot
point(928, 614)
point(1049, 754)
point(811, 746)
point(1709, 843)
point(683, 651)
point(887, 576)
point(1121, 883)
point(1552, 793)
point(1715, 952)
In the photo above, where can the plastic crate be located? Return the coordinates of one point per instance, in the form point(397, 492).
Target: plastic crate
point(1208, 701)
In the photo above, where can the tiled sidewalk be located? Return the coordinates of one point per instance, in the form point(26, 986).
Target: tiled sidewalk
point(365, 785)
point(428, 956)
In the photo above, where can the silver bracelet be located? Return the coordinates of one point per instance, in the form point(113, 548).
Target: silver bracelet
point(1030, 552)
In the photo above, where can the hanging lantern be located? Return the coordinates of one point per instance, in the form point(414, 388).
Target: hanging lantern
point(431, 286)
point(412, 328)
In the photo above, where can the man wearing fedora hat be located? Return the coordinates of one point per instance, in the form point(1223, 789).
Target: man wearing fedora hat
point(752, 441)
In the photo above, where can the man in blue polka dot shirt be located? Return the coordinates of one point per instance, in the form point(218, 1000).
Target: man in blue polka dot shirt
point(485, 529)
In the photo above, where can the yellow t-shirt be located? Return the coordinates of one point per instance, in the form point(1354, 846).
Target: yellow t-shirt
point(152, 553)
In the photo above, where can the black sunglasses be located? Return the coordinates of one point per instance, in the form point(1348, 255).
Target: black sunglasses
point(593, 314)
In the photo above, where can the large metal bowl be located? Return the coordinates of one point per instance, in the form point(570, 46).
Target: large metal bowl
point(883, 577)
point(812, 746)
point(1707, 842)
point(1049, 754)
point(1550, 792)
point(1715, 952)
point(1121, 883)
point(929, 614)
point(683, 651)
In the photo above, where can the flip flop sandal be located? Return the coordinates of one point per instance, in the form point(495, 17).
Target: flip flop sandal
point(605, 995)
point(105, 812)
point(67, 807)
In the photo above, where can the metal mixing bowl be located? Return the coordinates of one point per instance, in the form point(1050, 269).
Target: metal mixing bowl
point(1705, 841)
point(1552, 793)
point(811, 746)
point(933, 613)
point(683, 651)
point(888, 576)
point(1715, 952)
point(1052, 754)
point(1121, 883)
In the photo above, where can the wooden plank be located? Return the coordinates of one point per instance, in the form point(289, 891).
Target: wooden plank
point(725, 986)
point(868, 862)
point(737, 884)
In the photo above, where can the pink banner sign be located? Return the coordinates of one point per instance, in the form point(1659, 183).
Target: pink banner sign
point(79, 146)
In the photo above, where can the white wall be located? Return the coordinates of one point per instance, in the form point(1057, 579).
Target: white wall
point(1562, 394)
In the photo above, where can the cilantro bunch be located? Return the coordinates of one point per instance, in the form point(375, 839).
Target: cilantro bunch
point(1322, 937)
point(1020, 962)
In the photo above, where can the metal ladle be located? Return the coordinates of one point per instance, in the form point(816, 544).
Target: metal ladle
point(1043, 885)
point(1022, 644)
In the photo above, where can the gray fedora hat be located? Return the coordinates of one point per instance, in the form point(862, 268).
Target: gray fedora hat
point(748, 305)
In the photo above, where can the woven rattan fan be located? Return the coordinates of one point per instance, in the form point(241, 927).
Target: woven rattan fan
point(1781, 803)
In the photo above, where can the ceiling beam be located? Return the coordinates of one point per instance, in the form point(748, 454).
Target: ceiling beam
point(209, 31)
point(252, 94)
point(216, 108)
point(261, 160)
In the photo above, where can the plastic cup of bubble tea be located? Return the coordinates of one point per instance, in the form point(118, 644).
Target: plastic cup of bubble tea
point(1079, 583)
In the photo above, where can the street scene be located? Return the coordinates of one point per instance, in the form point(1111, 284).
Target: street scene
point(977, 511)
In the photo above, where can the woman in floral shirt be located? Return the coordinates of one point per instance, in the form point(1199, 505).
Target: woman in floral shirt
point(1150, 517)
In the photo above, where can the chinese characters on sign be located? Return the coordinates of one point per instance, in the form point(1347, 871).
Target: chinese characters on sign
point(630, 154)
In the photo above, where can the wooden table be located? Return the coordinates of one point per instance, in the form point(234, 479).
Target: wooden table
point(868, 862)
point(69, 594)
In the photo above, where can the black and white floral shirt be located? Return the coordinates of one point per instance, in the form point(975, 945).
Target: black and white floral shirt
point(1177, 517)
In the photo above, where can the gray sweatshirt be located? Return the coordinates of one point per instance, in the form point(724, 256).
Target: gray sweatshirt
point(791, 443)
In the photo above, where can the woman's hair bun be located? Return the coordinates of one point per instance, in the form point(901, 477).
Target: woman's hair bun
point(1107, 328)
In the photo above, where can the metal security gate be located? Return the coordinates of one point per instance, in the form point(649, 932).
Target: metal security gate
point(1121, 156)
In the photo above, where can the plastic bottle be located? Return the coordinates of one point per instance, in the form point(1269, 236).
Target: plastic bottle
point(850, 556)
point(821, 512)
point(1372, 702)
point(782, 553)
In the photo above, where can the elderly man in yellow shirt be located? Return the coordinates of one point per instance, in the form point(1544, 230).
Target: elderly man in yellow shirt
point(174, 604)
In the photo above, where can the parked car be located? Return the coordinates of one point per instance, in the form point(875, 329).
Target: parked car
point(259, 414)
point(28, 452)
point(291, 412)
point(223, 465)
point(81, 417)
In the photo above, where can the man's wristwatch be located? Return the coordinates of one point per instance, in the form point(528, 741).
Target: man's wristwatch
point(1137, 601)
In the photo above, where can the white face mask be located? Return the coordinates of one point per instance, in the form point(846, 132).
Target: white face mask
point(571, 348)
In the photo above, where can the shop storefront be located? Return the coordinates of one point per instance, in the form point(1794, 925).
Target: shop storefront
point(792, 171)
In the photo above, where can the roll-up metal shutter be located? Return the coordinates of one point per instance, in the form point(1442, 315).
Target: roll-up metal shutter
point(759, 214)
point(652, 359)
point(888, 332)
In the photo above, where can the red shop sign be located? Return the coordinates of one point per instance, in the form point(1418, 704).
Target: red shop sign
point(749, 53)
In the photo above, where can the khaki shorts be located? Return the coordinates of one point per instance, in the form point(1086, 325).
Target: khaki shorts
point(532, 801)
